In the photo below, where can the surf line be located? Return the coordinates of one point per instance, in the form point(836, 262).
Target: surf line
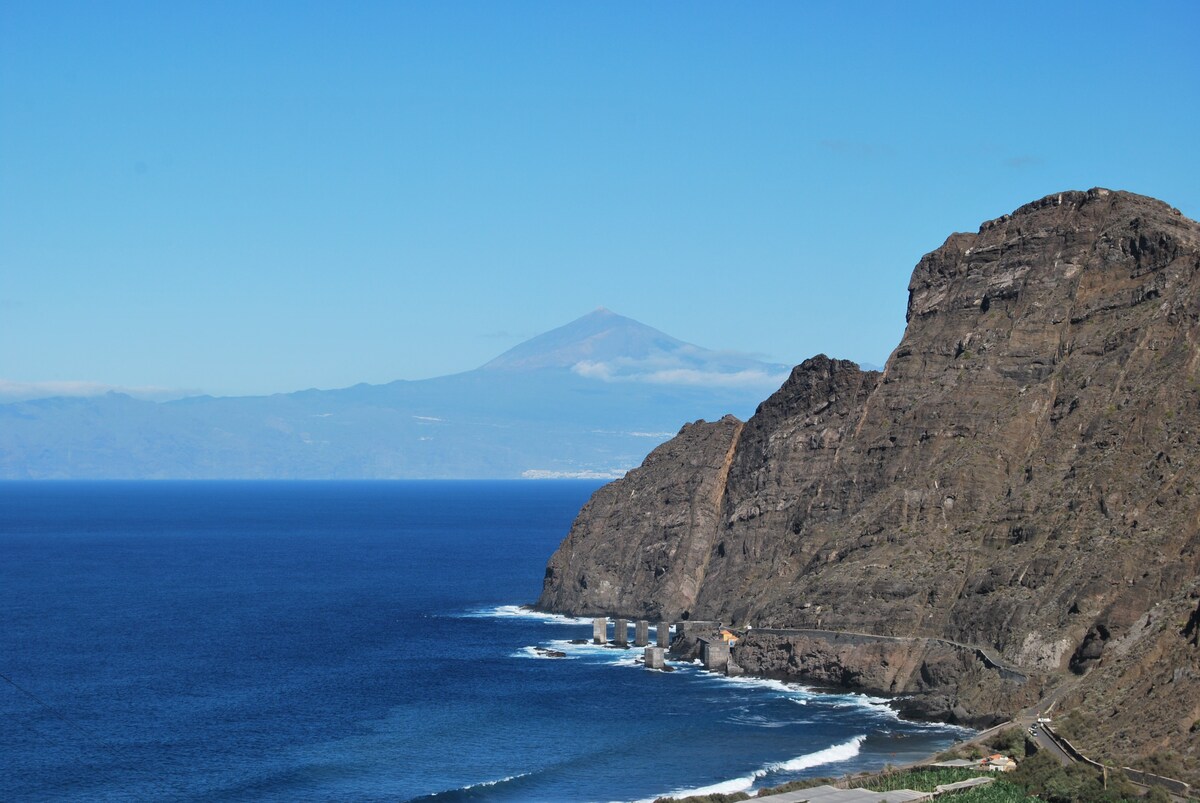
point(458, 790)
point(833, 754)
point(713, 643)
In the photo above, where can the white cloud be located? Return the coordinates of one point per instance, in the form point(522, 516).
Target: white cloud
point(14, 391)
point(691, 376)
point(593, 370)
point(629, 371)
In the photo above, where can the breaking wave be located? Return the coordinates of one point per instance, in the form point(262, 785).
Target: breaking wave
point(830, 755)
point(464, 791)
point(524, 612)
point(539, 653)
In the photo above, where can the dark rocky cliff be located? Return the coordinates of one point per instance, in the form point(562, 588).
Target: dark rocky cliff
point(1021, 476)
point(641, 545)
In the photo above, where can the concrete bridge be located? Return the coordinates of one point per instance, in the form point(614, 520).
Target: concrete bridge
point(641, 632)
point(715, 652)
point(655, 655)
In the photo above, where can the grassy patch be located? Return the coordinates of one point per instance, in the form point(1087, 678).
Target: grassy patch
point(714, 798)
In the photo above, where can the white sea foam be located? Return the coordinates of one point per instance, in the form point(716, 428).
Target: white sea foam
point(882, 707)
point(539, 653)
point(766, 683)
point(722, 788)
point(481, 784)
point(802, 695)
point(495, 783)
point(759, 721)
point(522, 612)
point(830, 755)
point(506, 779)
point(608, 654)
point(613, 656)
point(797, 693)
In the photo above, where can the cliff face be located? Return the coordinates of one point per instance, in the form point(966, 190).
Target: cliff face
point(642, 544)
point(1022, 475)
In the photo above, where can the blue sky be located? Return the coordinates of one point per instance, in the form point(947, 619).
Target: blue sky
point(258, 197)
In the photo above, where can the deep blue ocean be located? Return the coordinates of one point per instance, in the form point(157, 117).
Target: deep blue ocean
point(358, 641)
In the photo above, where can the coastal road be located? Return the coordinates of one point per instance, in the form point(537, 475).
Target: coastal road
point(989, 658)
point(1045, 742)
point(1023, 720)
point(1051, 745)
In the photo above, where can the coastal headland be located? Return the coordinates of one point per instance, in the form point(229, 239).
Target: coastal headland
point(1005, 516)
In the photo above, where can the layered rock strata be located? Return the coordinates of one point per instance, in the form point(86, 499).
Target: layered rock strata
point(1021, 476)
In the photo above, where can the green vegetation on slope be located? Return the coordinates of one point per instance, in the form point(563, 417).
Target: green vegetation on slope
point(923, 779)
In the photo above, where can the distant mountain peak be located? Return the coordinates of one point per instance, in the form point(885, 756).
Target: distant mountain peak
point(607, 346)
point(600, 335)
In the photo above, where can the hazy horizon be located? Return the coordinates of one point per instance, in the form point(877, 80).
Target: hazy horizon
point(734, 369)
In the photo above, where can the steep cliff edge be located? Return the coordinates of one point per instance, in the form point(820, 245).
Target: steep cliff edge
point(1021, 476)
point(641, 545)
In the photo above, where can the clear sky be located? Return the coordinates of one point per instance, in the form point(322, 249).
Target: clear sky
point(258, 197)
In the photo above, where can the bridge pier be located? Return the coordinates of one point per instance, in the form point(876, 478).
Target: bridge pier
point(621, 632)
point(641, 633)
point(663, 633)
point(655, 658)
point(716, 653)
point(599, 631)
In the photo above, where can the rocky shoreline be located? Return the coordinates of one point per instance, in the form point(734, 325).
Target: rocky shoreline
point(923, 679)
point(927, 680)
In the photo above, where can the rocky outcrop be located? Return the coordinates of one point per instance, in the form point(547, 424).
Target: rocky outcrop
point(937, 680)
point(1021, 476)
point(641, 545)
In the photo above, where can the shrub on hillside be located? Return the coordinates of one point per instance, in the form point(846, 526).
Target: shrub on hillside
point(717, 797)
point(1157, 795)
point(1042, 775)
point(1010, 742)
